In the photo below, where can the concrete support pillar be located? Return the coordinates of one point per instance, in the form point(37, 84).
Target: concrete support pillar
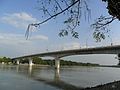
point(30, 61)
point(18, 62)
point(57, 63)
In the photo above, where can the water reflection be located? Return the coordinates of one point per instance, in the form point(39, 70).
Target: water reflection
point(14, 78)
point(46, 75)
point(62, 84)
point(56, 82)
point(30, 70)
point(17, 68)
point(2, 66)
point(68, 78)
point(57, 75)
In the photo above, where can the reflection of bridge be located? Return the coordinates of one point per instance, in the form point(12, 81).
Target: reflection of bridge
point(55, 82)
point(59, 54)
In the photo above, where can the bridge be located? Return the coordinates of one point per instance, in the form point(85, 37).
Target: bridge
point(82, 51)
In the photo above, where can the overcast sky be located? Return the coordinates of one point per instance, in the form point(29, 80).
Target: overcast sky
point(15, 16)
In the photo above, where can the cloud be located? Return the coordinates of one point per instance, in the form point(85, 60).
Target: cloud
point(19, 20)
point(16, 45)
point(12, 39)
point(71, 45)
point(9, 38)
point(115, 41)
point(39, 37)
point(65, 46)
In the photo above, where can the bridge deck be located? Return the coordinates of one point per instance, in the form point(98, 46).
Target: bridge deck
point(95, 50)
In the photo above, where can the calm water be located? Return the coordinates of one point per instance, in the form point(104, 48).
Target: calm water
point(46, 78)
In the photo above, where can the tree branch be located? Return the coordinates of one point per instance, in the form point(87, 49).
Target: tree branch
point(51, 16)
point(56, 14)
point(58, 5)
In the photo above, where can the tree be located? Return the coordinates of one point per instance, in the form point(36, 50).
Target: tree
point(113, 8)
point(103, 22)
point(5, 59)
point(73, 9)
point(37, 60)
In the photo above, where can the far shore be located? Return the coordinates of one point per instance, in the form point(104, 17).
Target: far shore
point(65, 66)
point(116, 66)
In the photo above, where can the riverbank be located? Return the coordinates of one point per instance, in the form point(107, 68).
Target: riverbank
point(109, 86)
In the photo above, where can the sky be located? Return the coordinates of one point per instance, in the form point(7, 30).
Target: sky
point(15, 16)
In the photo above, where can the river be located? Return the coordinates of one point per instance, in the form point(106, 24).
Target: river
point(22, 77)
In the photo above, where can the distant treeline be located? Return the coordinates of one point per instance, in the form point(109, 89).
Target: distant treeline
point(5, 60)
point(38, 60)
point(71, 63)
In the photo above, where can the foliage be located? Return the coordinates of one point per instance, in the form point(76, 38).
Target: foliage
point(102, 23)
point(71, 63)
point(38, 60)
point(5, 60)
point(113, 8)
point(71, 9)
point(101, 27)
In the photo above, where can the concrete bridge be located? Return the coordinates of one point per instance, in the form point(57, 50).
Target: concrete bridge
point(59, 54)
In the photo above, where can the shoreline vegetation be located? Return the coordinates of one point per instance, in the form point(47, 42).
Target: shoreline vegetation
point(46, 62)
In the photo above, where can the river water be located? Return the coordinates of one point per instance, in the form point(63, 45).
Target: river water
point(22, 77)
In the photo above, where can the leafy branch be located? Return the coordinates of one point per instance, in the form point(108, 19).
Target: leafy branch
point(38, 24)
point(73, 10)
point(101, 27)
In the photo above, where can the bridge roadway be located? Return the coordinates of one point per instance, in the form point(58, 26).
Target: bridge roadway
point(82, 51)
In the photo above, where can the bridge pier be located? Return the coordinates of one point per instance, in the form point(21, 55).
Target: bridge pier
point(57, 63)
point(18, 61)
point(30, 61)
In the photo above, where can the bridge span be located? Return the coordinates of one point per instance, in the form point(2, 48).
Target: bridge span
point(82, 51)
